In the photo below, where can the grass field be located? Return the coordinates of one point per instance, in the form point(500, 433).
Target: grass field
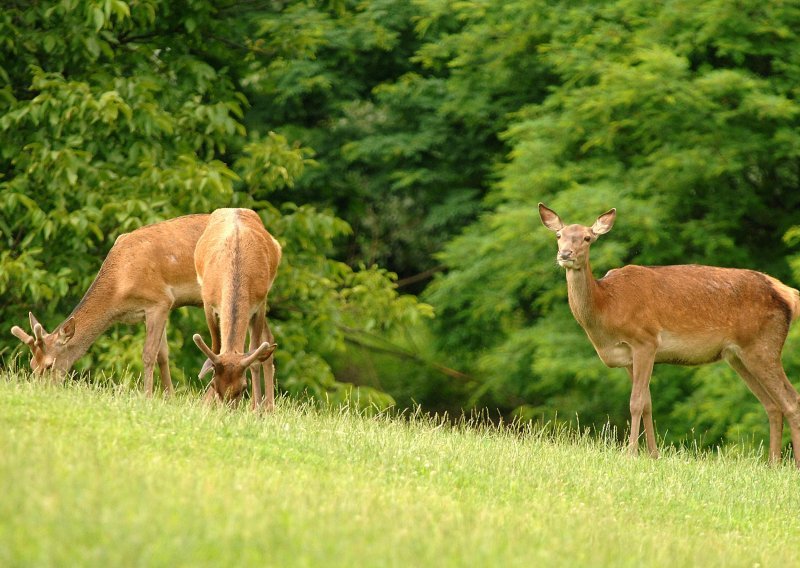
point(99, 476)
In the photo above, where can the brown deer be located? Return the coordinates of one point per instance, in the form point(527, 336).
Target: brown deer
point(236, 261)
point(147, 273)
point(636, 316)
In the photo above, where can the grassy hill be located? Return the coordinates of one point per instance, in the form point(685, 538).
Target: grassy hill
point(99, 476)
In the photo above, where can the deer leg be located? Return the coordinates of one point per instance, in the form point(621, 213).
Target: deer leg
point(789, 402)
point(641, 404)
point(649, 428)
point(774, 413)
point(213, 328)
point(269, 371)
point(255, 370)
point(793, 419)
point(162, 358)
point(155, 324)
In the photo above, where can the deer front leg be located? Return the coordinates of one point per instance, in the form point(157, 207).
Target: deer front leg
point(256, 327)
point(269, 370)
point(163, 364)
point(641, 404)
point(213, 328)
point(155, 323)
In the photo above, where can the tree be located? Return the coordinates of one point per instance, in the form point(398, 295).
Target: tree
point(686, 121)
point(119, 114)
point(403, 102)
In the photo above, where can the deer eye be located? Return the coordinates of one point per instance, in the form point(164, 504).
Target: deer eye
point(558, 235)
point(587, 239)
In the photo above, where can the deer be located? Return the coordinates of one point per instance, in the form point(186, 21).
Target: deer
point(147, 273)
point(236, 261)
point(636, 316)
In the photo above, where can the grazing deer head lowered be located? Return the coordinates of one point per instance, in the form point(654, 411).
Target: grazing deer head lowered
point(236, 261)
point(46, 347)
point(636, 316)
point(147, 273)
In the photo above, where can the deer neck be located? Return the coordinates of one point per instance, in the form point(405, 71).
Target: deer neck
point(582, 292)
point(93, 315)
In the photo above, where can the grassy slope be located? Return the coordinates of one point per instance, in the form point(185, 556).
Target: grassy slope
point(99, 477)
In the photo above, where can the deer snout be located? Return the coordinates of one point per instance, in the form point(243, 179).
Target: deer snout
point(229, 391)
point(566, 258)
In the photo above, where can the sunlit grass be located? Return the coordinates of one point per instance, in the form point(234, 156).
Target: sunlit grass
point(97, 475)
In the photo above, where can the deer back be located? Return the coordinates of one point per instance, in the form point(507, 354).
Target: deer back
point(689, 297)
point(156, 262)
point(236, 251)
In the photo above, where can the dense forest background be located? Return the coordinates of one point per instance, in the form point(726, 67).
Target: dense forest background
point(398, 150)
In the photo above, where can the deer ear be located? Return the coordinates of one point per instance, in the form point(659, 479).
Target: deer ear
point(34, 323)
point(260, 354)
point(67, 331)
point(20, 334)
point(38, 333)
point(604, 222)
point(205, 369)
point(550, 219)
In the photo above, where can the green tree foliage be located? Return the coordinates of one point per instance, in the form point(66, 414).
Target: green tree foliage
point(685, 118)
point(118, 114)
point(402, 102)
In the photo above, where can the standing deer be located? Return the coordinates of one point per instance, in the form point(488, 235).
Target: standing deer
point(636, 316)
point(147, 273)
point(236, 261)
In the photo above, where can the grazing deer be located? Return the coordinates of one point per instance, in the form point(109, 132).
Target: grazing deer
point(236, 261)
point(147, 273)
point(636, 316)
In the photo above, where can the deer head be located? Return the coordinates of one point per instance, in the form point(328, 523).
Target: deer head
point(49, 351)
point(574, 240)
point(229, 379)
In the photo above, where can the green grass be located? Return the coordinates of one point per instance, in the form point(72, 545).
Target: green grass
point(99, 476)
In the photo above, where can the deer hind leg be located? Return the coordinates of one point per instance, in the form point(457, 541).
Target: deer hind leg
point(773, 409)
point(641, 403)
point(793, 417)
point(765, 365)
point(155, 324)
point(163, 364)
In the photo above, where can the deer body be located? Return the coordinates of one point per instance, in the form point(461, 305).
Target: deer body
point(147, 273)
point(637, 316)
point(679, 295)
point(236, 261)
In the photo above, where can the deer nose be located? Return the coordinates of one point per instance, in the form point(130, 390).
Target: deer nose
point(564, 254)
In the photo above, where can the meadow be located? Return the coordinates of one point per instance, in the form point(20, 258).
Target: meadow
point(97, 475)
